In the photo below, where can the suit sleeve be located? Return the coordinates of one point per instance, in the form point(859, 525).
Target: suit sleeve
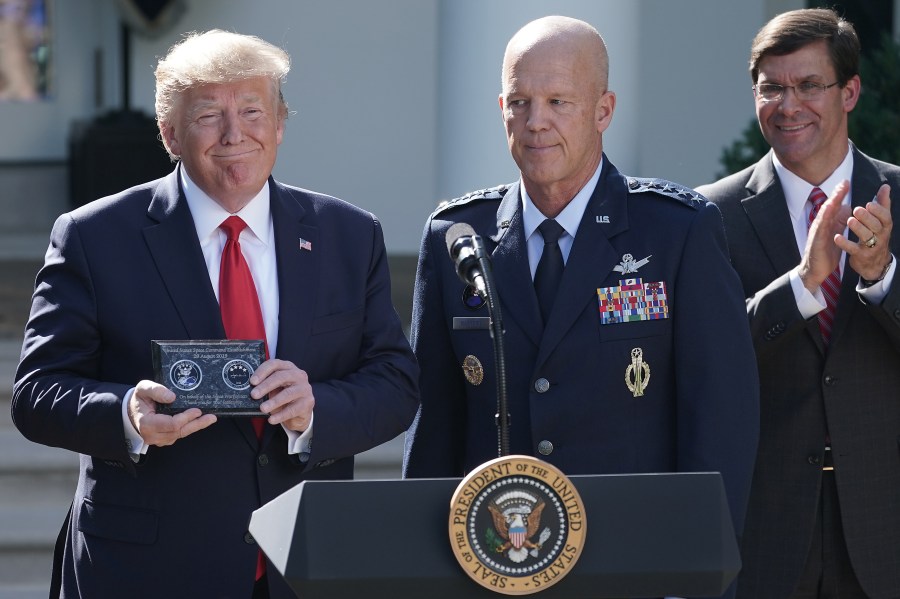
point(57, 397)
point(435, 443)
point(377, 399)
point(717, 380)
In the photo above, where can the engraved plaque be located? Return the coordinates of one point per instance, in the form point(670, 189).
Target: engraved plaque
point(210, 374)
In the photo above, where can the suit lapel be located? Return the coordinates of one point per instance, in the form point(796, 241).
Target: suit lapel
point(298, 253)
point(768, 214)
point(591, 259)
point(511, 272)
point(176, 251)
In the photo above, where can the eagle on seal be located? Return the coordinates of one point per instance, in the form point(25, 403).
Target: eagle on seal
point(516, 529)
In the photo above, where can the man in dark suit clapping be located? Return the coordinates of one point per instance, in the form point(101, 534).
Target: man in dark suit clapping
point(818, 275)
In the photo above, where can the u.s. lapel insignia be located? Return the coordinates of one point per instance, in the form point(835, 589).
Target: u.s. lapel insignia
point(637, 375)
point(473, 370)
point(304, 244)
point(629, 264)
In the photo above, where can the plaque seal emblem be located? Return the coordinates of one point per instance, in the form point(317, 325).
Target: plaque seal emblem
point(236, 374)
point(185, 375)
point(517, 525)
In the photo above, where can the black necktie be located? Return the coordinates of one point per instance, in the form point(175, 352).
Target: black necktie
point(550, 268)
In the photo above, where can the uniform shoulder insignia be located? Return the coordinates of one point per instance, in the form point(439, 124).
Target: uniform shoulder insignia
point(685, 195)
point(491, 193)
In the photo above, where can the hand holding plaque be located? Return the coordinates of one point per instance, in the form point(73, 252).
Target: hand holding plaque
point(210, 374)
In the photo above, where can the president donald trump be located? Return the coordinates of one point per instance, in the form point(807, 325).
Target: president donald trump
point(163, 501)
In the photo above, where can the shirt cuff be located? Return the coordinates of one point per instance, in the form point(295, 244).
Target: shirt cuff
point(808, 303)
point(133, 440)
point(300, 443)
point(876, 293)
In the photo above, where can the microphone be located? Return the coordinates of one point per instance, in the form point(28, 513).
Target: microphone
point(473, 265)
point(467, 252)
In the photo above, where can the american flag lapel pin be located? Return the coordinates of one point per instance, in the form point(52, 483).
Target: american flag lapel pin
point(305, 245)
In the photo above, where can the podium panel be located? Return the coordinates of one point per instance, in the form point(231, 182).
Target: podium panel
point(648, 535)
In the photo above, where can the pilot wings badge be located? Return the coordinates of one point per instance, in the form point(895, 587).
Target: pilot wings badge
point(629, 264)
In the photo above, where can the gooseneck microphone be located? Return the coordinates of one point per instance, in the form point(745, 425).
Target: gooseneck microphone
point(473, 265)
point(467, 251)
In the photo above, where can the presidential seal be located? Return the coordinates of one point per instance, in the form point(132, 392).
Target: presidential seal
point(185, 375)
point(236, 374)
point(517, 525)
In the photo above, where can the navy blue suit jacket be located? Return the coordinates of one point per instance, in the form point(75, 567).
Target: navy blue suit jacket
point(127, 269)
point(699, 411)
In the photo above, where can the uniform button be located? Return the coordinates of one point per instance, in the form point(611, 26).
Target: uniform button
point(248, 538)
point(545, 447)
point(780, 327)
point(830, 380)
point(262, 460)
point(813, 459)
point(542, 385)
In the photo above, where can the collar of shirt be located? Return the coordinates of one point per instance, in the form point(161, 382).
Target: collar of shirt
point(569, 218)
point(209, 214)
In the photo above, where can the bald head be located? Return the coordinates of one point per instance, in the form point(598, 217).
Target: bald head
point(555, 107)
point(560, 36)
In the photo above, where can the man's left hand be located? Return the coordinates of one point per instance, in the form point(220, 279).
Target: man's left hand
point(872, 225)
point(290, 401)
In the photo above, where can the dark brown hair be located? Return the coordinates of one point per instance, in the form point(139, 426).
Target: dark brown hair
point(790, 31)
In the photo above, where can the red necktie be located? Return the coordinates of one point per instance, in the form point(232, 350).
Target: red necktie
point(831, 286)
point(240, 309)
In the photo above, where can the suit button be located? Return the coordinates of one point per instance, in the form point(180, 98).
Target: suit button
point(813, 459)
point(780, 327)
point(542, 385)
point(545, 448)
point(830, 380)
point(248, 538)
point(262, 460)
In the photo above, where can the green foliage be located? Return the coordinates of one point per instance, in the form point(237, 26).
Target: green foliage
point(491, 540)
point(874, 124)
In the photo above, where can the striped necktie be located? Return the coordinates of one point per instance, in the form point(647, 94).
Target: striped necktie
point(831, 286)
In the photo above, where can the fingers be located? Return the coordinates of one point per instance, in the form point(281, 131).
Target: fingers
point(821, 255)
point(871, 219)
point(152, 392)
point(290, 398)
point(872, 224)
point(162, 429)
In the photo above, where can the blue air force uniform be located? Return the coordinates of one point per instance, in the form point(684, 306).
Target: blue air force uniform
point(644, 365)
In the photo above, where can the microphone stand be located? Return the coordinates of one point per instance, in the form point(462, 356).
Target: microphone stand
point(496, 330)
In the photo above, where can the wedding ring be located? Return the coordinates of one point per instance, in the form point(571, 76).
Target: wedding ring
point(872, 241)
